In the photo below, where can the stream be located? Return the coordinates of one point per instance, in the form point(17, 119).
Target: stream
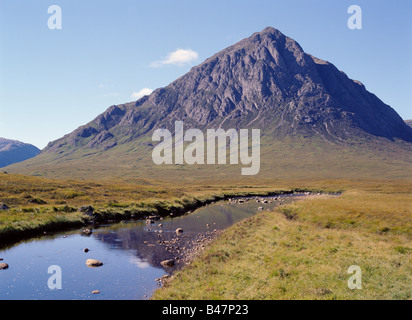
point(53, 267)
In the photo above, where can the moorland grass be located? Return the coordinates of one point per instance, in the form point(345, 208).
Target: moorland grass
point(39, 205)
point(299, 251)
point(274, 256)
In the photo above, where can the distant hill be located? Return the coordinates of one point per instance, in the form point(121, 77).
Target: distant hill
point(409, 123)
point(315, 121)
point(12, 151)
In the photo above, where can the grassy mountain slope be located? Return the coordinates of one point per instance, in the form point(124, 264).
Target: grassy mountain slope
point(291, 157)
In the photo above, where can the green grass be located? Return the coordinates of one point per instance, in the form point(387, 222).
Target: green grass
point(38, 204)
point(284, 158)
point(271, 256)
point(299, 251)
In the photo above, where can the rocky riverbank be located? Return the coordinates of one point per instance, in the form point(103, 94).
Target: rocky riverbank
point(66, 217)
point(186, 247)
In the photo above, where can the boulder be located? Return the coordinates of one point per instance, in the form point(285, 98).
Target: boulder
point(163, 279)
point(93, 263)
point(87, 232)
point(4, 207)
point(179, 230)
point(4, 266)
point(37, 201)
point(87, 210)
point(168, 263)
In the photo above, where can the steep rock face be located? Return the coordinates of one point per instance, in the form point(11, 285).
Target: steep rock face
point(12, 151)
point(265, 81)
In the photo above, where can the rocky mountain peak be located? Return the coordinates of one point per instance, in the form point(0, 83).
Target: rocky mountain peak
point(265, 81)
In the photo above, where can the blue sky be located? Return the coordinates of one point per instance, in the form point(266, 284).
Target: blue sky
point(53, 81)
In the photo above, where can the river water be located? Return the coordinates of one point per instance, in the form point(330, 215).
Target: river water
point(53, 267)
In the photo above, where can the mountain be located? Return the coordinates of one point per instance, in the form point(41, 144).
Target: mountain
point(265, 81)
point(409, 123)
point(12, 151)
point(306, 108)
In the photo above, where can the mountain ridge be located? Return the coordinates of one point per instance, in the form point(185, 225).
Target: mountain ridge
point(265, 81)
point(280, 76)
point(13, 151)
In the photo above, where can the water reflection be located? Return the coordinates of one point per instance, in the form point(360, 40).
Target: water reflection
point(132, 253)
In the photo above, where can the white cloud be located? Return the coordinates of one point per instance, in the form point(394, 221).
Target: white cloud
point(179, 57)
point(139, 262)
point(141, 93)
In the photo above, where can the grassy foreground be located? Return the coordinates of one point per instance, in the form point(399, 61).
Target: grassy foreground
point(304, 250)
point(300, 251)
